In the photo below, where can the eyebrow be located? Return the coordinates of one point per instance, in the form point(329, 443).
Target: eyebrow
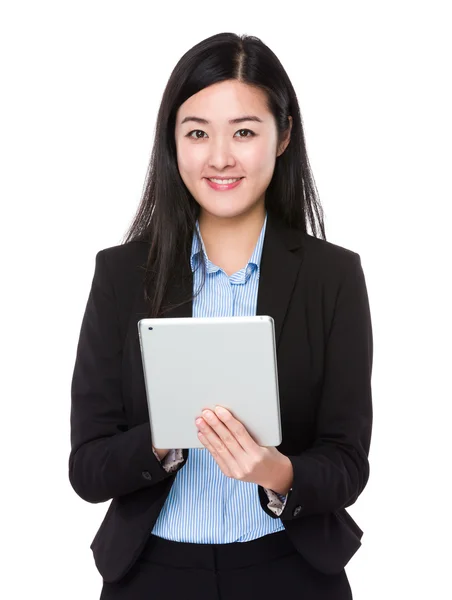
point(231, 121)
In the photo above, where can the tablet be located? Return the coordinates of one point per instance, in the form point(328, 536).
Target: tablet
point(192, 363)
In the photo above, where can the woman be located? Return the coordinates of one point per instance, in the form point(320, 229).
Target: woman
point(233, 519)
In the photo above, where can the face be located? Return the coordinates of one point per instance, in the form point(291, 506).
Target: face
point(211, 146)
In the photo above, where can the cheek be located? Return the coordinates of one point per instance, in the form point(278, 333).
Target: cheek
point(190, 165)
point(260, 159)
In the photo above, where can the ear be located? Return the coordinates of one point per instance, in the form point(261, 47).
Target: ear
point(283, 145)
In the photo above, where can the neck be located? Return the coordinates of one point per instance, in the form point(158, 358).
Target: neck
point(231, 241)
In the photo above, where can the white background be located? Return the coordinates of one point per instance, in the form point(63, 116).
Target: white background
point(81, 86)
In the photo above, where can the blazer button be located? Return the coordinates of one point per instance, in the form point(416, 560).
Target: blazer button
point(147, 475)
point(297, 511)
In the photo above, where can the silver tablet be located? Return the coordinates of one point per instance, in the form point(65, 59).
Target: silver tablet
point(192, 363)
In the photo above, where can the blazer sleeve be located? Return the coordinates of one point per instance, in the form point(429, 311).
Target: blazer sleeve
point(107, 458)
point(332, 473)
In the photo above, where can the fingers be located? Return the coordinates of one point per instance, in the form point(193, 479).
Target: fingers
point(237, 428)
point(223, 430)
point(217, 434)
point(223, 458)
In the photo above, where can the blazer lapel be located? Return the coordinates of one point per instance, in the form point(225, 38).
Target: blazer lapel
point(180, 287)
point(280, 265)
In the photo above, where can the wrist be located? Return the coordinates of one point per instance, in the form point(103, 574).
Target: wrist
point(160, 453)
point(282, 480)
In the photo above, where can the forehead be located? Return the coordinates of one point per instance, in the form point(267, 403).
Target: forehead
point(225, 101)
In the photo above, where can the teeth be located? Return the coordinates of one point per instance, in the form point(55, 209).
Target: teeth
point(224, 181)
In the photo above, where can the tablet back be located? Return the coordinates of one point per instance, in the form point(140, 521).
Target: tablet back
point(194, 363)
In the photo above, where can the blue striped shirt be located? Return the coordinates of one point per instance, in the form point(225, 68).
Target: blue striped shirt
point(204, 506)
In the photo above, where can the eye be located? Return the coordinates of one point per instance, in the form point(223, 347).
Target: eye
point(249, 130)
point(195, 131)
point(189, 135)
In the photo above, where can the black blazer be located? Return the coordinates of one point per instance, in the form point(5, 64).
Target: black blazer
point(316, 293)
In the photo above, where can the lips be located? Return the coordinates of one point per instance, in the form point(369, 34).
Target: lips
point(223, 186)
point(223, 178)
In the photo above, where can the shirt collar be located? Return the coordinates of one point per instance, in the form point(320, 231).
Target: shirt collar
point(210, 267)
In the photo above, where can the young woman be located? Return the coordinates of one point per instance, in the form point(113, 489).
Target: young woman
point(232, 520)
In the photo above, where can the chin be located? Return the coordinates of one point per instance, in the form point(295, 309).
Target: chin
point(224, 212)
point(227, 210)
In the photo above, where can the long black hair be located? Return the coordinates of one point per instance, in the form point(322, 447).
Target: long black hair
point(167, 214)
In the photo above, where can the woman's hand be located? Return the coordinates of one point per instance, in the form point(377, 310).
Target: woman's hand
point(161, 453)
point(239, 456)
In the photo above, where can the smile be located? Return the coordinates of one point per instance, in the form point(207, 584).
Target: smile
point(227, 184)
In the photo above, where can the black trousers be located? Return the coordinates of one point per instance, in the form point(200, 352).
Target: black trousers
point(268, 567)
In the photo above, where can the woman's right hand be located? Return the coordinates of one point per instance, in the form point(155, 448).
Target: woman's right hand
point(161, 453)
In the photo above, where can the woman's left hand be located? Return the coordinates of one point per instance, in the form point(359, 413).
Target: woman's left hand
point(236, 452)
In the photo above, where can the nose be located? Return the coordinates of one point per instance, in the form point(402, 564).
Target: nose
point(220, 154)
